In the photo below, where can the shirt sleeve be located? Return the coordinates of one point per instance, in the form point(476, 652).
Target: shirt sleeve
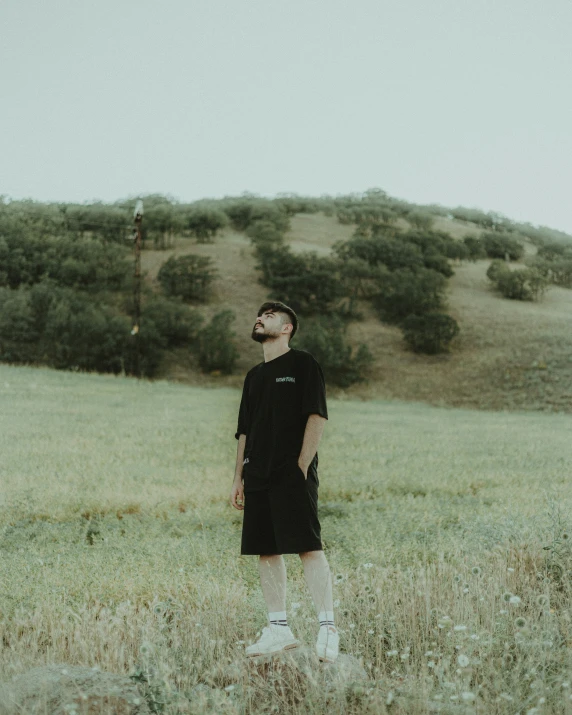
point(314, 395)
point(242, 427)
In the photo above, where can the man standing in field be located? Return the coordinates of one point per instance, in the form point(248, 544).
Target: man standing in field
point(281, 419)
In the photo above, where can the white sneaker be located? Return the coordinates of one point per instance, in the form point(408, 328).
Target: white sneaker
point(273, 639)
point(328, 644)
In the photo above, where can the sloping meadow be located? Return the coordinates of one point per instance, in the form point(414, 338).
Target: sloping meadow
point(447, 532)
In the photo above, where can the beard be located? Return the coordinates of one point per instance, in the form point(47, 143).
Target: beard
point(261, 336)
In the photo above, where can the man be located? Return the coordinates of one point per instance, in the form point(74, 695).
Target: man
point(280, 422)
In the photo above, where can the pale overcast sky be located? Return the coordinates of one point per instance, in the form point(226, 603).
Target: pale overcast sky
point(448, 101)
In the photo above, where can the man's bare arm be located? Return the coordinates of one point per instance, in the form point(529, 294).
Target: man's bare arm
point(237, 490)
point(312, 435)
point(239, 457)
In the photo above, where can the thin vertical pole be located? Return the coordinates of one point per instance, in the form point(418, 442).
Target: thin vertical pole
point(137, 218)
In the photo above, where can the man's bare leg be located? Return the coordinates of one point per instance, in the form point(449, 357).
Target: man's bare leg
point(319, 579)
point(272, 571)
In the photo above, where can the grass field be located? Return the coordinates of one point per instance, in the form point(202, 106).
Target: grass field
point(509, 354)
point(118, 545)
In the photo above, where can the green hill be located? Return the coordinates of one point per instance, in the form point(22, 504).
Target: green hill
point(509, 354)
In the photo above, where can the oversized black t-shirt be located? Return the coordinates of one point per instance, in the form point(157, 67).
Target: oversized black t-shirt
point(277, 398)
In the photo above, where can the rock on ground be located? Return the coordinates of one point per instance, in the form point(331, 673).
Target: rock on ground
point(64, 689)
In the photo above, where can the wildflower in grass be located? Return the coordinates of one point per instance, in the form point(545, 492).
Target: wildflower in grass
point(476, 571)
point(295, 606)
point(507, 595)
point(429, 654)
point(371, 631)
point(468, 697)
point(391, 653)
point(565, 684)
point(510, 570)
point(368, 566)
point(520, 622)
point(146, 648)
point(463, 660)
point(444, 621)
point(430, 663)
point(229, 688)
point(543, 600)
point(514, 600)
point(336, 602)
point(460, 628)
point(352, 625)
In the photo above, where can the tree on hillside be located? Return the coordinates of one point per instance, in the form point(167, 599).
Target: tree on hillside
point(189, 277)
point(325, 338)
point(203, 223)
point(406, 291)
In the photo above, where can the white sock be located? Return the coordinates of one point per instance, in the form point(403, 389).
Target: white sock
point(278, 618)
point(326, 618)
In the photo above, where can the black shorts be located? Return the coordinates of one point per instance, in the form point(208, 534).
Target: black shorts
point(282, 519)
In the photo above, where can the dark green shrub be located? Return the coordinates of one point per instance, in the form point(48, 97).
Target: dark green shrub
point(325, 338)
point(499, 245)
point(217, 350)
point(265, 232)
point(421, 220)
point(496, 269)
point(561, 272)
point(204, 224)
point(189, 277)
point(291, 204)
point(475, 247)
point(404, 291)
point(18, 334)
point(176, 323)
point(392, 252)
point(79, 335)
point(522, 284)
point(244, 212)
point(66, 329)
point(554, 251)
point(457, 250)
point(150, 343)
point(439, 263)
point(80, 263)
point(359, 280)
point(306, 282)
point(430, 333)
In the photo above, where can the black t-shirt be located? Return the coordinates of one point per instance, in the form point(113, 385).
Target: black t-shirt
point(277, 398)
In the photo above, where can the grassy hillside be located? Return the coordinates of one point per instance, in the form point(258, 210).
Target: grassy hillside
point(119, 546)
point(509, 354)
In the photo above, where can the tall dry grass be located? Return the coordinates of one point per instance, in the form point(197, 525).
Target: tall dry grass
point(446, 531)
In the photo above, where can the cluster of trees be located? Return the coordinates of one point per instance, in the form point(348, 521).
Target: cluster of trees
point(403, 274)
point(520, 284)
point(554, 262)
point(66, 301)
point(66, 277)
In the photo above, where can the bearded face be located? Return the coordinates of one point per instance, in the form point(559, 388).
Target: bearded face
point(267, 326)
